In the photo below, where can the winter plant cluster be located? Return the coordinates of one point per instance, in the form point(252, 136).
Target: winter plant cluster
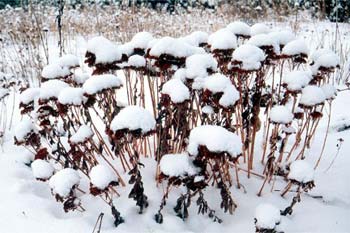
point(206, 107)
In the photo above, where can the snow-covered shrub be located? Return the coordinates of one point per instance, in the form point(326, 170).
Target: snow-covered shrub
point(197, 104)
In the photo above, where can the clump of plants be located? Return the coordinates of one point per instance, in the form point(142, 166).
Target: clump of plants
point(196, 105)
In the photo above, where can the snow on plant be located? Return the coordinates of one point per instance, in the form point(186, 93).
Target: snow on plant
point(195, 104)
point(300, 174)
point(267, 217)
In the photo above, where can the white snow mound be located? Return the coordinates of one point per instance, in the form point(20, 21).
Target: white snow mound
point(216, 139)
point(133, 118)
point(63, 181)
point(176, 165)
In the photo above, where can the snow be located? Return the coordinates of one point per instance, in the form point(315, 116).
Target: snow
point(23, 128)
point(301, 171)
point(282, 37)
point(29, 95)
point(99, 83)
point(239, 28)
point(251, 56)
point(329, 60)
point(295, 47)
point(55, 71)
point(281, 114)
point(127, 49)
point(83, 133)
point(137, 61)
point(218, 83)
point(297, 80)
point(198, 64)
point(63, 181)
point(174, 47)
point(267, 216)
point(176, 90)
point(42, 169)
point(51, 89)
point(288, 129)
point(222, 39)
point(312, 95)
point(69, 61)
point(216, 139)
point(141, 40)
point(25, 157)
point(262, 40)
point(25, 201)
point(177, 165)
point(329, 91)
point(208, 110)
point(80, 78)
point(197, 38)
point(180, 74)
point(101, 176)
point(3, 92)
point(259, 28)
point(72, 96)
point(106, 52)
point(133, 118)
point(315, 55)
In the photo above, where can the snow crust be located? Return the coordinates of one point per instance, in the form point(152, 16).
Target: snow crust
point(216, 139)
point(177, 91)
point(72, 96)
point(222, 39)
point(133, 118)
point(312, 95)
point(98, 83)
point(101, 176)
point(63, 181)
point(106, 51)
point(281, 114)
point(218, 83)
point(251, 56)
point(83, 133)
point(267, 216)
point(42, 169)
point(177, 165)
point(301, 171)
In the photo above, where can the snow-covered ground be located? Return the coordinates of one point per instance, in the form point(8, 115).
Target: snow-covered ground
point(26, 204)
